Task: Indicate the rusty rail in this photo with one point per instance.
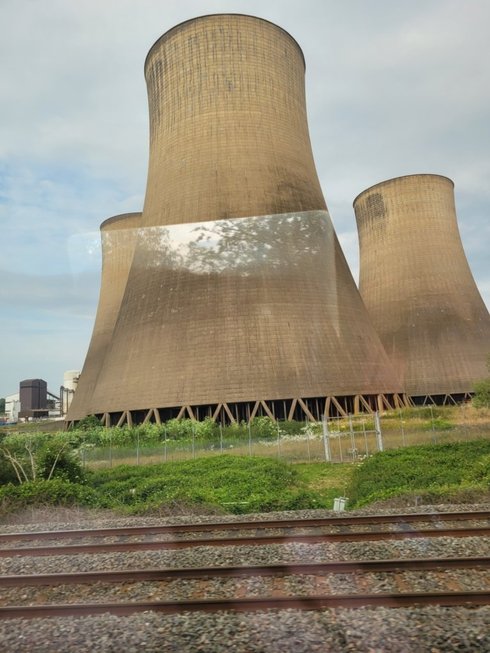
(243, 541)
(248, 525)
(251, 604)
(314, 569)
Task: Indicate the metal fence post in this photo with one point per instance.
(326, 441)
(434, 438)
(308, 441)
(402, 427)
(377, 428)
(352, 439)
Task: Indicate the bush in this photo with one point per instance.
(482, 394)
(55, 492)
(428, 467)
(263, 428)
(88, 423)
(52, 462)
(39, 455)
(7, 472)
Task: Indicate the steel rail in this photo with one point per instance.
(249, 525)
(243, 541)
(294, 569)
(251, 604)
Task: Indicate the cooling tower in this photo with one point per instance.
(418, 287)
(118, 237)
(239, 299)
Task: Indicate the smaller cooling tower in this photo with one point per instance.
(418, 287)
(118, 236)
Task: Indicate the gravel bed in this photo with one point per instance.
(304, 585)
(84, 521)
(372, 630)
(171, 537)
(207, 556)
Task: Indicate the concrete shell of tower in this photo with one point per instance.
(417, 285)
(118, 235)
(269, 314)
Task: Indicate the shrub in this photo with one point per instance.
(53, 462)
(88, 423)
(54, 492)
(40, 455)
(426, 467)
(482, 394)
(7, 472)
(263, 428)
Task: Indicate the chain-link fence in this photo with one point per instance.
(348, 439)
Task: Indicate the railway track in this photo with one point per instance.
(277, 582)
(403, 520)
(152, 545)
(339, 529)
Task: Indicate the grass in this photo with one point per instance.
(235, 484)
(448, 460)
(226, 484)
(436, 473)
(450, 469)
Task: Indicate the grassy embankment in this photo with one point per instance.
(455, 472)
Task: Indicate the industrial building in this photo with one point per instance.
(35, 401)
(237, 299)
(12, 407)
(33, 394)
(418, 288)
(67, 390)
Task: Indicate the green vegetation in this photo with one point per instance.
(90, 431)
(455, 472)
(482, 394)
(2, 405)
(234, 483)
(481, 398)
(431, 470)
(241, 468)
(31, 457)
(229, 484)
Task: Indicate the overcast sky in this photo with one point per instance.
(393, 87)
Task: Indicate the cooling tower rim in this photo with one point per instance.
(179, 26)
(395, 179)
(118, 218)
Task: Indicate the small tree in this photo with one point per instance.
(2, 405)
(41, 456)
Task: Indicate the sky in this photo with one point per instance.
(393, 87)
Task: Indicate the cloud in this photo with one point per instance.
(392, 88)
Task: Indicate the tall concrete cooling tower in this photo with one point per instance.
(118, 236)
(418, 287)
(239, 300)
